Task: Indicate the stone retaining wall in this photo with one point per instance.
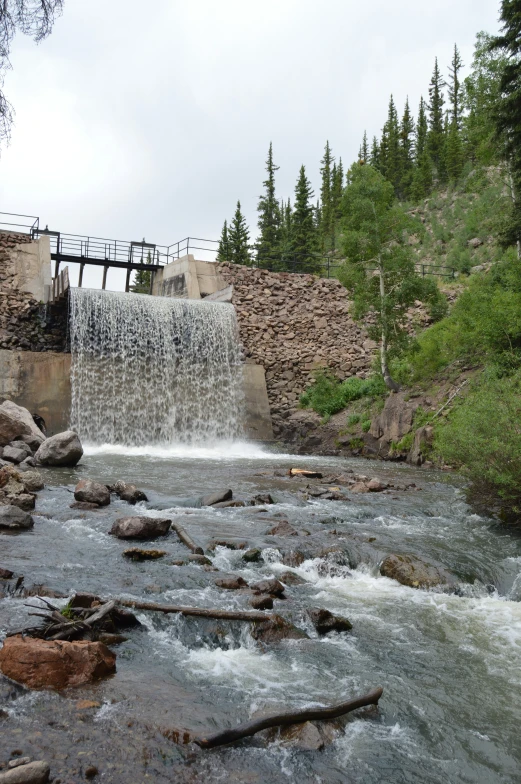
(293, 324)
(25, 323)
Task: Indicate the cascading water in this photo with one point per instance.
(154, 370)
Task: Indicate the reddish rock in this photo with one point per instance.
(262, 602)
(231, 583)
(275, 630)
(282, 529)
(271, 587)
(42, 664)
(140, 527)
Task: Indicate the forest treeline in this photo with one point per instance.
(454, 129)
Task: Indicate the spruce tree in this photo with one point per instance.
(436, 133)
(337, 189)
(223, 253)
(508, 110)
(406, 152)
(422, 176)
(454, 151)
(286, 234)
(326, 216)
(390, 158)
(374, 157)
(455, 88)
(239, 239)
(142, 279)
(303, 234)
(269, 223)
(363, 154)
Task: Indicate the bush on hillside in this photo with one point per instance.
(328, 395)
(483, 434)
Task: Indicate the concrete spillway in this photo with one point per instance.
(154, 370)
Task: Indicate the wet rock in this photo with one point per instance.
(128, 493)
(14, 519)
(6, 574)
(254, 555)
(91, 772)
(86, 506)
(13, 454)
(290, 578)
(295, 557)
(231, 583)
(63, 449)
(376, 486)
(33, 441)
(423, 438)
(262, 500)
(228, 504)
(275, 630)
(15, 763)
(229, 543)
(282, 529)
(27, 465)
(92, 492)
(24, 501)
(123, 619)
(199, 559)
(112, 639)
(43, 590)
(414, 572)
(44, 664)
(32, 481)
(140, 527)
(262, 602)
(215, 498)
(306, 736)
(359, 487)
(325, 622)
(31, 773)
(271, 587)
(138, 554)
(16, 422)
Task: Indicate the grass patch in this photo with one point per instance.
(327, 395)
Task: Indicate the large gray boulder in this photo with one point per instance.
(14, 519)
(16, 422)
(412, 571)
(140, 527)
(63, 449)
(92, 492)
(30, 773)
(14, 455)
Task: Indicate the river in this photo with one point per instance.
(450, 664)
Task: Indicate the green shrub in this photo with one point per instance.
(483, 435)
(327, 395)
(366, 425)
(353, 419)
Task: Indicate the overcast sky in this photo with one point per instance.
(151, 119)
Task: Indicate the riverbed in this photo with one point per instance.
(449, 663)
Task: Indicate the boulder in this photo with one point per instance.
(27, 465)
(86, 506)
(275, 630)
(33, 441)
(282, 529)
(231, 583)
(63, 449)
(30, 773)
(263, 499)
(140, 527)
(128, 492)
(215, 498)
(414, 572)
(46, 664)
(253, 555)
(423, 439)
(16, 422)
(305, 736)
(92, 492)
(32, 481)
(25, 501)
(14, 519)
(290, 578)
(6, 574)
(271, 587)
(376, 486)
(13, 454)
(475, 242)
(138, 554)
(196, 558)
(325, 622)
(261, 602)
(396, 419)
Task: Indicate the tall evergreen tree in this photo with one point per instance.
(363, 154)
(142, 279)
(390, 158)
(406, 152)
(508, 109)
(454, 151)
(269, 223)
(422, 177)
(436, 133)
(326, 216)
(223, 247)
(239, 239)
(303, 234)
(337, 189)
(374, 157)
(455, 88)
(286, 242)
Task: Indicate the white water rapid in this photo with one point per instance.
(154, 370)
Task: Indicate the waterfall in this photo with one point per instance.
(153, 370)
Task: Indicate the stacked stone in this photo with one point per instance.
(22, 322)
(293, 324)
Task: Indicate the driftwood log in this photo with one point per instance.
(187, 539)
(198, 612)
(282, 719)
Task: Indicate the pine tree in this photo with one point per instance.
(374, 158)
(326, 216)
(303, 234)
(455, 88)
(508, 110)
(286, 234)
(239, 239)
(268, 243)
(142, 279)
(363, 154)
(422, 176)
(390, 157)
(454, 151)
(337, 189)
(406, 153)
(436, 134)
(223, 247)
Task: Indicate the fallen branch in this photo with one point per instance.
(451, 398)
(282, 719)
(199, 612)
(187, 539)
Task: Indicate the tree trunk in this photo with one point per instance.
(389, 381)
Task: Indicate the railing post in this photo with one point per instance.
(127, 282)
(80, 280)
(105, 270)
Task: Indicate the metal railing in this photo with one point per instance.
(10, 221)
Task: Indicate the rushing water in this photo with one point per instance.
(449, 663)
(153, 370)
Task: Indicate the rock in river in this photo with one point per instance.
(412, 571)
(92, 492)
(63, 449)
(275, 630)
(30, 773)
(325, 622)
(140, 527)
(128, 493)
(215, 498)
(16, 422)
(270, 587)
(14, 519)
(45, 664)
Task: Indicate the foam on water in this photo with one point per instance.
(219, 451)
